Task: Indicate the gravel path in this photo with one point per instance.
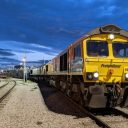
(27, 109)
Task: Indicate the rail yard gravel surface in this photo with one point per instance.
(6, 88)
(115, 121)
(26, 108)
(123, 109)
(2, 82)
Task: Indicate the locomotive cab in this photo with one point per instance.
(105, 69)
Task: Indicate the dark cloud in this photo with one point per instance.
(6, 52)
(7, 59)
(38, 62)
(22, 47)
(55, 23)
(52, 22)
(8, 63)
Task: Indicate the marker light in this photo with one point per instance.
(111, 36)
(96, 74)
(89, 76)
(126, 75)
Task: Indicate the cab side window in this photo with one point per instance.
(77, 52)
(63, 62)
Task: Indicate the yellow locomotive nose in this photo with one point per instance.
(109, 74)
(110, 71)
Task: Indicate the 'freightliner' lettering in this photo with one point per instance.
(110, 66)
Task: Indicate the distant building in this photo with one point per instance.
(18, 67)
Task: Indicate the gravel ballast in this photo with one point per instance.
(26, 108)
(3, 82)
(123, 109)
(6, 88)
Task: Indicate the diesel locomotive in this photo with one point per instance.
(93, 71)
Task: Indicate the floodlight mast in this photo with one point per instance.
(24, 69)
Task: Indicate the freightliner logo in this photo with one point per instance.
(110, 66)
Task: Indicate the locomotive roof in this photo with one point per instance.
(107, 29)
(113, 29)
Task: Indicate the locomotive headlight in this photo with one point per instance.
(92, 75)
(96, 74)
(126, 75)
(111, 36)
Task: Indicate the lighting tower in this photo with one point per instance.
(25, 70)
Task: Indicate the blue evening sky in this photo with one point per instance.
(43, 28)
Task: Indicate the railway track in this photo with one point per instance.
(114, 118)
(4, 85)
(104, 118)
(97, 120)
(6, 89)
(108, 119)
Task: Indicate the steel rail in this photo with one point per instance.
(5, 95)
(4, 85)
(117, 111)
(98, 121)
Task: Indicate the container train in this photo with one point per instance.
(93, 71)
